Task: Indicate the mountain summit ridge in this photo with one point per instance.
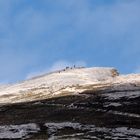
(68, 82)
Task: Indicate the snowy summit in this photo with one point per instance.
(66, 82)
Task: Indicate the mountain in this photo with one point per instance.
(73, 103)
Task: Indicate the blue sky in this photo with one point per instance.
(37, 36)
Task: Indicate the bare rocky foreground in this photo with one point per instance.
(83, 103)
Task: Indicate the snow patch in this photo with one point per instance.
(17, 131)
(86, 131)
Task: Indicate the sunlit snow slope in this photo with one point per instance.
(67, 82)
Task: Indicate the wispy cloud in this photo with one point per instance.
(137, 70)
(59, 65)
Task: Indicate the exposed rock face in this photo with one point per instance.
(85, 103)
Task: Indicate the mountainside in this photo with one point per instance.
(67, 81)
(74, 103)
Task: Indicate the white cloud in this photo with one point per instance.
(137, 70)
(61, 64)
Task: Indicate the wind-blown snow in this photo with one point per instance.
(65, 82)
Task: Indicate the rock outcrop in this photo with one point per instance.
(79, 103)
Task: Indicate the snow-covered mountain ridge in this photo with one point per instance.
(68, 82)
(78, 103)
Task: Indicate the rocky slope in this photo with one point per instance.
(79, 103)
